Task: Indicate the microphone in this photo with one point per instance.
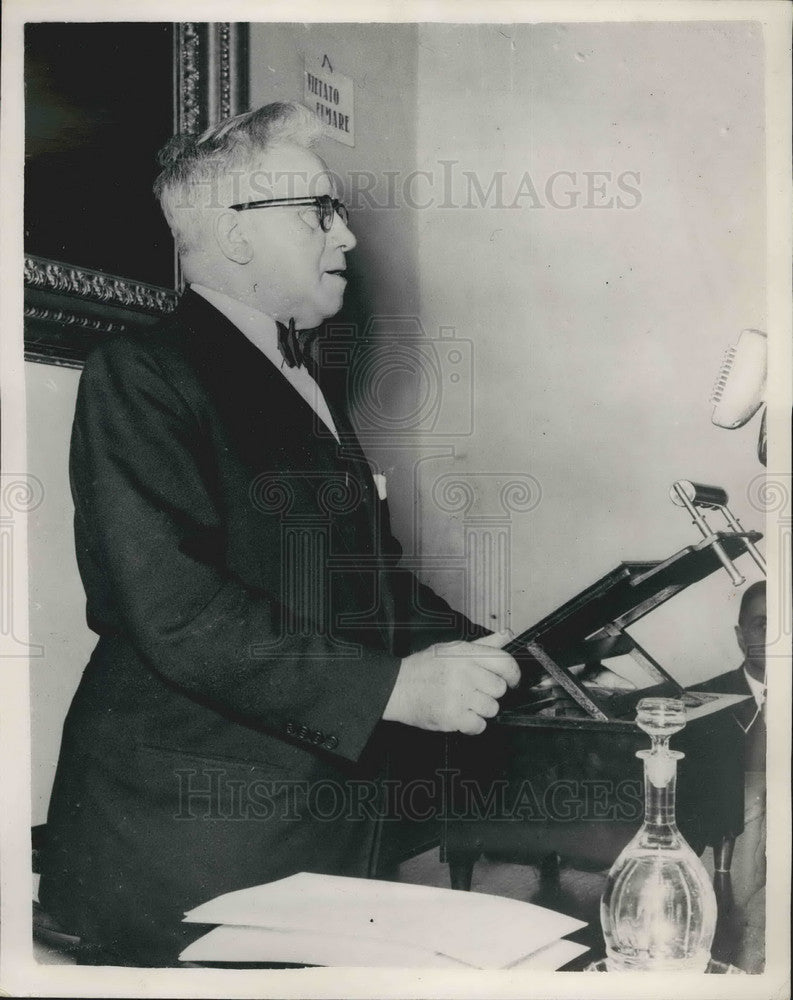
(739, 391)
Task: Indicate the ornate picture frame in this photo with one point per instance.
(68, 307)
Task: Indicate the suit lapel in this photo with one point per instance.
(255, 401)
(378, 527)
(276, 432)
(746, 711)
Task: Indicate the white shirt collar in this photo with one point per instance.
(756, 687)
(262, 332)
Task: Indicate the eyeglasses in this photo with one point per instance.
(327, 207)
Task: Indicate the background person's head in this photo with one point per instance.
(751, 629)
(279, 259)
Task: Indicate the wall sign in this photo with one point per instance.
(330, 95)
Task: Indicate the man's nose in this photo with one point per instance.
(341, 234)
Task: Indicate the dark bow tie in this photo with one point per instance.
(294, 345)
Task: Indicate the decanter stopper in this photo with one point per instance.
(658, 910)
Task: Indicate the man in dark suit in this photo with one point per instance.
(747, 878)
(749, 677)
(256, 635)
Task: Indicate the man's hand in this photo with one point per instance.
(453, 686)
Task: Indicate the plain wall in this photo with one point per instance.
(590, 337)
(57, 601)
(598, 332)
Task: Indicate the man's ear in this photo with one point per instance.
(231, 239)
(740, 638)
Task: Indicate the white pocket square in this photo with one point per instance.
(379, 482)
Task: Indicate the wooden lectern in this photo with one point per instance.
(556, 772)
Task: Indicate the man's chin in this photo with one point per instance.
(321, 311)
(328, 312)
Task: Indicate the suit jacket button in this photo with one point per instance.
(331, 743)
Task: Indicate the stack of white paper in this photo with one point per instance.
(333, 920)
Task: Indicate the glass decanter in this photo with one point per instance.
(658, 911)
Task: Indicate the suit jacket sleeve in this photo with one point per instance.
(140, 484)
(422, 617)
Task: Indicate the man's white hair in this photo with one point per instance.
(195, 167)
